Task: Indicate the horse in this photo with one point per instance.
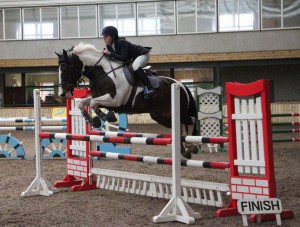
(111, 90)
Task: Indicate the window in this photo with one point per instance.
(196, 16)
(271, 14)
(47, 83)
(78, 21)
(280, 14)
(13, 80)
(206, 16)
(291, 13)
(40, 23)
(156, 18)
(88, 21)
(238, 15)
(10, 24)
(47, 93)
(186, 16)
(121, 16)
(1, 24)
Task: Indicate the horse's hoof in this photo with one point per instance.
(96, 122)
(111, 117)
(191, 148)
(187, 155)
(102, 116)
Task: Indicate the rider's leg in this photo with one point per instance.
(137, 66)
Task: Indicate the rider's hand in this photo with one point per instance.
(106, 52)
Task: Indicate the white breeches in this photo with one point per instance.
(140, 61)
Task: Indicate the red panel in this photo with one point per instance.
(238, 89)
(262, 88)
(81, 93)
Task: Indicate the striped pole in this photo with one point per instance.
(132, 140)
(293, 123)
(158, 160)
(204, 139)
(129, 134)
(286, 140)
(295, 114)
(103, 139)
(30, 120)
(290, 130)
(31, 128)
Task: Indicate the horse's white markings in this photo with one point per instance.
(89, 55)
(60, 91)
(105, 100)
(138, 91)
(84, 102)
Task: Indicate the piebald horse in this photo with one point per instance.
(111, 90)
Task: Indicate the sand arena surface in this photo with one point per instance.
(107, 208)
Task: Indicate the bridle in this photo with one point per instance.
(70, 86)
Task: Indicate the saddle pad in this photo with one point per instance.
(128, 76)
(154, 81)
(131, 80)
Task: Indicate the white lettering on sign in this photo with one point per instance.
(259, 206)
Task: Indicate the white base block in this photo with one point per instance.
(39, 186)
(177, 210)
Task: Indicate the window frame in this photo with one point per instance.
(78, 22)
(41, 23)
(155, 34)
(116, 11)
(196, 20)
(3, 27)
(281, 19)
(238, 13)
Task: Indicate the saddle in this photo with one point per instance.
(134, 80)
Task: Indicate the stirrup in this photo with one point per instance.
(148, 92)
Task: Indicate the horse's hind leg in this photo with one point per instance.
(165, 119)
(188, 148)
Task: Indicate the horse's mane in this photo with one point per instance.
(81, 47)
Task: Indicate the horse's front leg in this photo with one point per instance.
(103, 101)
(96, 123)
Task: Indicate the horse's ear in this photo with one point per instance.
(58, 55)
(65, 54)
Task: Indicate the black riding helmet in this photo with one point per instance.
(110, 30)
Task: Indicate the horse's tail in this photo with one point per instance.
(192, 111)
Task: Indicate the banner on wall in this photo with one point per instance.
(59, 112)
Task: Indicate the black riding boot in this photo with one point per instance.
(148, 89)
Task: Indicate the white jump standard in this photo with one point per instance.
(39, 186)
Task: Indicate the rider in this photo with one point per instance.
(122, 50)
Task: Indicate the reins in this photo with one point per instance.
(105, 73)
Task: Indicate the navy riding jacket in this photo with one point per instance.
(126, 51)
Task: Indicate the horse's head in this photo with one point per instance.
(70, 70)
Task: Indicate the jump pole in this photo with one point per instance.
(159, 160)
(39, 186)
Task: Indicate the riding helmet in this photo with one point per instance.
(110, 30)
